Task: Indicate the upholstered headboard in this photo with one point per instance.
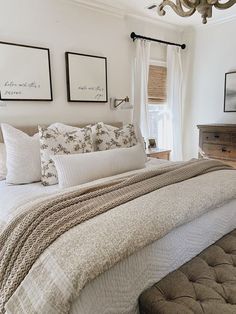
(31, 130)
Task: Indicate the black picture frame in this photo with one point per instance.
(68, 78)
(50, 98)
(226, 92)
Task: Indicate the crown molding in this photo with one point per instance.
(213, 23)
(119, 12)
(99, 7)
(151, 20)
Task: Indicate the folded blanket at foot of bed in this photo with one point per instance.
(206, 284)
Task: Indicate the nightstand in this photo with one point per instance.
(158, 153)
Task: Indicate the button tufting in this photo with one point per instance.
(205, 292)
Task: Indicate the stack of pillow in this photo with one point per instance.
(69, 155)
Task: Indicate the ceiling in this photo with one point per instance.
(139, 8)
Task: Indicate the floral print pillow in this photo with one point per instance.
(108, 137)
(59, 139)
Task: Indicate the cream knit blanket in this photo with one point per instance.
(32, 232)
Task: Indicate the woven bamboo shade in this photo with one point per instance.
(157, 84)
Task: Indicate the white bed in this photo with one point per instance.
(117, 290)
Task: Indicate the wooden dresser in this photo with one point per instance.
(218, 141)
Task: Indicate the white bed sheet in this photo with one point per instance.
(13, 196)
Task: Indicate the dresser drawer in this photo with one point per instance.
(234, 138)
(220, 151)
(216, 137)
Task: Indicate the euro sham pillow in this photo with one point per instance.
(109, 137)
(3, 166)
(61, 139)
(22, 156)
(77, 169)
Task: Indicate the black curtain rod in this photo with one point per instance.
(135, 36)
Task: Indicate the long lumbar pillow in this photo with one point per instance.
(82, 168)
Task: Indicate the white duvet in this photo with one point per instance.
(117, 290)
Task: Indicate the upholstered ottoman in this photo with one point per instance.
(205, 285)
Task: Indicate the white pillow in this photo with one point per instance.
(23, 156)
(82, 168)
(60, 139)
(3, 166)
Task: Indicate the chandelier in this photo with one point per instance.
(189, 7)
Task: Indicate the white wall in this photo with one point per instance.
(211, 53)
(63, 26)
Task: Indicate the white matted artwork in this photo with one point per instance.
(86, 78)
(25, 73)
(230, 92)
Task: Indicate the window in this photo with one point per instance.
(157, 84)
(159, 115)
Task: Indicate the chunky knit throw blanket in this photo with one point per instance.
(26, 237)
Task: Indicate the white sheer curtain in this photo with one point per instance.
(174, 100)
(160, 125)
(140, 86)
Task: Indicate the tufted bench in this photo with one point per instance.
(205, 285)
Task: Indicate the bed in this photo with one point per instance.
(117, 288)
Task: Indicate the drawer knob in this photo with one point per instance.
(217, 136)
(224, 150)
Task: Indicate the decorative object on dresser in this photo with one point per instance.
(218, 141)
(25, 73)
(86, 78)
(152, 143)
(158, 153)
(230, 92)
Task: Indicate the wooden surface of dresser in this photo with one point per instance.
(158, 153)
(218, 141)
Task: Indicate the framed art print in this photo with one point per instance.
(25, 73)
(230, 92)
(86, 78)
